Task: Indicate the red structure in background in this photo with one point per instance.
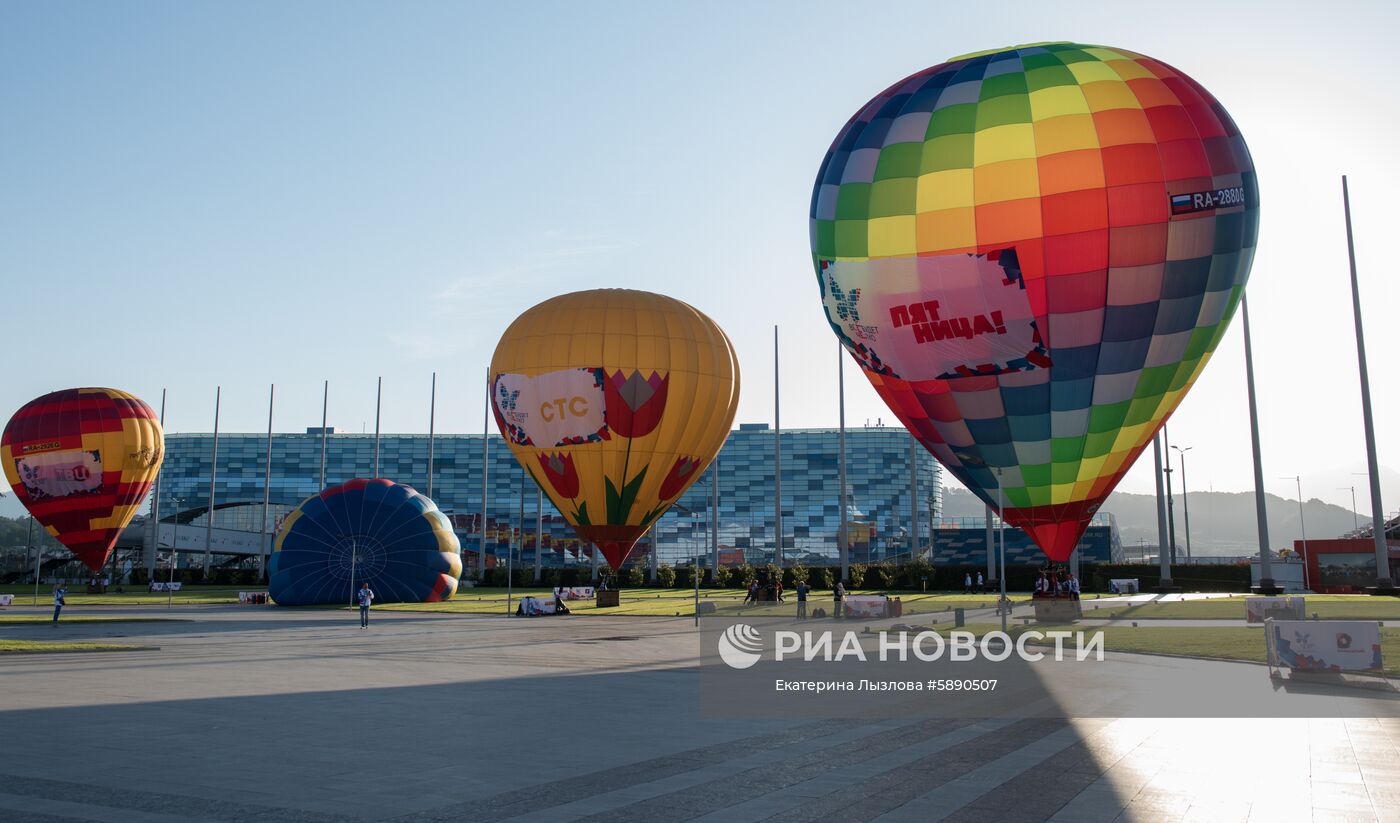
(1343, 565)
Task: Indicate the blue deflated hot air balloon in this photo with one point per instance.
(365, 531)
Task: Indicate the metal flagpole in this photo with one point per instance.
(655, 551)
(1171, 510)
(353, 558)
(155, 500)
(714, 518)
(432, 421)
(510, 548)
(1385, 584)
(213, 476)
(777, 462)
(991, 548)
(913, 499)
(841, 549)
(1266, 572)
(521, 522)
(325, 404)
(1003, 605)
(267, 483)
(378, 402)
(539, 529)
(1185, 501)
(695, 571)
(38, 555)
(485, 472)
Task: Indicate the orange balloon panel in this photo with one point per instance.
(81, 461)
(614, 401)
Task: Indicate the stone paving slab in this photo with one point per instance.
(265, 714)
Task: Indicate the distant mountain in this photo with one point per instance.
(1221, 522)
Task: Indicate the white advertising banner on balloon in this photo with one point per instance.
(552, 409)
(60, 473)
(935, 317)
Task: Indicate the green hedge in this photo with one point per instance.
(879, 576)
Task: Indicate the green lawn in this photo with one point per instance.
(1225, 643)
(18, 619)
(43, 646)
(133, 596)
(1327, 607)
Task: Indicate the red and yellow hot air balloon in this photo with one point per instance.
(81, 461)
(614, 401)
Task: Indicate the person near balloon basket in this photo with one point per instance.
(838, 594)
(802, 589)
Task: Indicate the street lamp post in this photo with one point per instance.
(1302, 524)
(1171, 512)
(1185, 503)
(1355, 523)
(174, 551)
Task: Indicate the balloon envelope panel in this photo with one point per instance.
(81, 461)
(365, 531)
(614, 401)
(1032, 253)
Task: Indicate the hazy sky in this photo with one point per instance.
(207, 194)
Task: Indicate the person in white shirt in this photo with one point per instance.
(967, 584)
(981, 584)
(58, 594)
(365, 597)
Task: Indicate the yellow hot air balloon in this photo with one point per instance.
(615, 401)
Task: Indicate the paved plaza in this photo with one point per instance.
(264, 714)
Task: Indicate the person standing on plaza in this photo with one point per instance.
(837, 595)
(981, 584)
(802, 600)
(59, 592)
(365, 597)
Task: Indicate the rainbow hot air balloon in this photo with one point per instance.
(365, 531)
(81, 461)
(1032, 253)
(614, 401)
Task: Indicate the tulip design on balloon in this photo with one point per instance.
(614, 440)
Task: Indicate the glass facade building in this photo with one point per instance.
(880, 465)
(878, 472)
